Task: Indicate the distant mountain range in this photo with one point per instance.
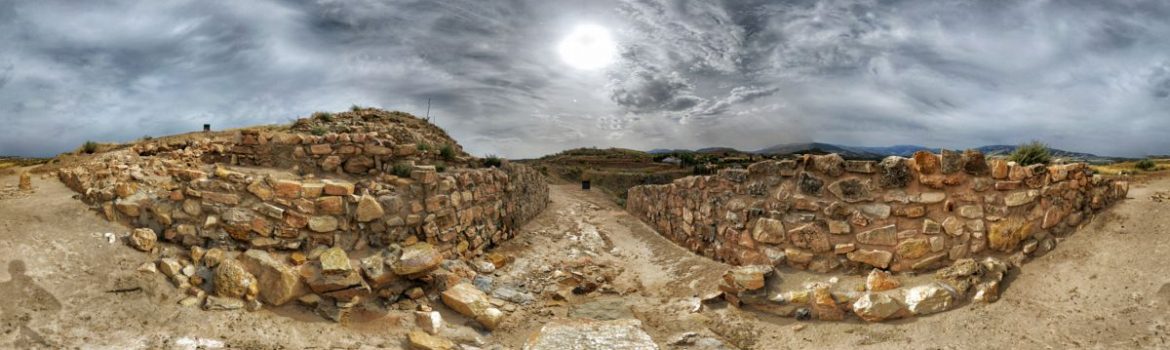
(859, 152)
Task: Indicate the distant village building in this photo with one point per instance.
(672, 160)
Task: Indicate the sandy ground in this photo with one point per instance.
(1103, 287)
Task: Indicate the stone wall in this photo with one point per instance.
(824, 214)
(370, 142)
(293, 205)
(461, 211)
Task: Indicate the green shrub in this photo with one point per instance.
(422, 147)
(1034, 152)
(1145, 164)
(147, 138)
(492, 161)
(402, 170)
(355, 108)
(323, 116)
(89, 147)
(441, 168)
(317, 130)
(447, 152)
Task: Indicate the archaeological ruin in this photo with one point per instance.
(337, 209)
(327, 211)
(927, 233)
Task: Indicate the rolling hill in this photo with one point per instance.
(865, 152)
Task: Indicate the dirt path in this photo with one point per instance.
(1104, 287)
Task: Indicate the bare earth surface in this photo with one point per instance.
(1103, 287)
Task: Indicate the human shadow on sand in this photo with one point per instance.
(20, 300)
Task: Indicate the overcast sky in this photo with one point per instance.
(1090, 76)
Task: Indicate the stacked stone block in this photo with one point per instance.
(823, 213)
(293, 207)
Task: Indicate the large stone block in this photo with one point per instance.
(875, 258)
(885, 235)
(876, 307)
(279, 283)
(999, 169)
(928, 299)
(880, 280)
(222, 198)
(861, 166)
(287, 189)
(320, 149)
(368, 209)
(338, 188)
(323, 224)
(1019, 198)
(1006, 235)
(331, 205)
(747, 278)
(143, 239)
(851, 190)
(417, 259)
(769, 231)
(952, 162)
(335, 261)
(912, 248)
(810, 236)
(893, 172)
(926, 162)
(829, 164)
(233, 281)
(974, 163)
(809, 184)
(875, 210)
(465, 299)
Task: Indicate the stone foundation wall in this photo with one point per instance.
(332, 212)
(460, 211)
(823, 213)
(370, 143)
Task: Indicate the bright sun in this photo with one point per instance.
(588, 47)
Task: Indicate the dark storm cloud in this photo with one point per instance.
(648, 89)
(1084, 75)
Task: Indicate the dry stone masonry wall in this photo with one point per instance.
(341, 208)
(825, 214)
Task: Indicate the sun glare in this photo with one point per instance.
(588, 47)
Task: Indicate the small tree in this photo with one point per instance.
(1034, 152)
(89, 147)
(447, 152)
(401, 170)
(492, 161)
(1145, 164)
(422, 147)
